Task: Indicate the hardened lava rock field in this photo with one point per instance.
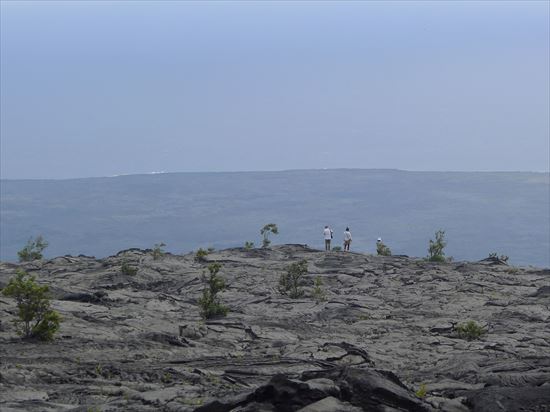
(385, 334)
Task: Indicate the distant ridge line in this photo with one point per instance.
(393, 170)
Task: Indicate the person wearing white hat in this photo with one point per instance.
(381, 248)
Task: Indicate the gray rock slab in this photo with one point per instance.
(139, 343)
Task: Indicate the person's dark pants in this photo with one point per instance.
(327, 244)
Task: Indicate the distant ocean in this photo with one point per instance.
(481, 213)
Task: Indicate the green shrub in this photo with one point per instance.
(35, 318)
(289, 283)
(33, 249)
(128, 270)
(382, 249)
(209, 303)
(211, 249)
(270, 228)
(337, 249)
(318, 292)
(422, 391)
(436, 247)
(249, 245)
(166, 378)
(201, 254)
(469, 330)
(158, 250)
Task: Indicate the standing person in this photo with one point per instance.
(327, 233)
(347, 239)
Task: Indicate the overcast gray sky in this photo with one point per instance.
(99, 88)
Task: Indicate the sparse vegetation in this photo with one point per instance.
(201, 254)
(209, 303)
(319, 293)
(249, 245)
(436, 247)
(158, 250)
(337, 249)
(469, 330)
(289, 282)
(270, 228)
(211, 249)
(191, 401)
(382, 249)
(422, 391)
(166, 378)
(35, 318)
(33, 249)
(128, 270)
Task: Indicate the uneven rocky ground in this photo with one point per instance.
(137, 343)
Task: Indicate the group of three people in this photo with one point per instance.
(328, 234)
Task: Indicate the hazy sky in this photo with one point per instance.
(98, 88)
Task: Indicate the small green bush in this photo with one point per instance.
(337, 249)
(209, 304)
(435, 249)
(158, 250)
(166, 378)
(270, 228)
(382, 249)
(35, 318)
(48, 326)
(33, 249)
(201, 254)
(289, 282)
(469, 330)
(422, 391)
(128, 270)
(249, 245)
(319, 293)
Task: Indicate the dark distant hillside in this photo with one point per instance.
(507, 213)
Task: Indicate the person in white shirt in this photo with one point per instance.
(347, 239)
(327, 233)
